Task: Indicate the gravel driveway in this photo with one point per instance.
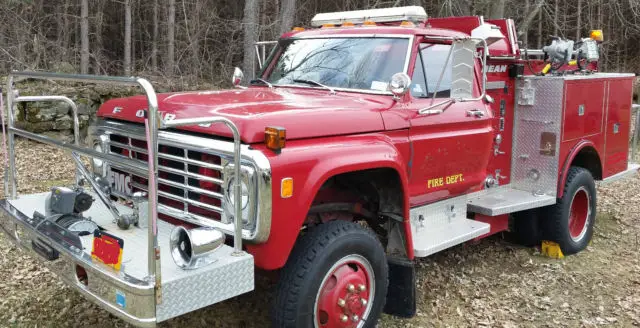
(491, 283)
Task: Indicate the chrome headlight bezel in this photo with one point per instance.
(248, 181)
(99, 143)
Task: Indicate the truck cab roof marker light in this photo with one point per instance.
(382, 15)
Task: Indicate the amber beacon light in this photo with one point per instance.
(274, 138)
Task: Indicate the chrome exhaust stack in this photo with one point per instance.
(193, 248)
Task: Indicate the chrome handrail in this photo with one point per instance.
(237, 235)
(153, 248)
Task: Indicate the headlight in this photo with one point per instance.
(100, 144)
(247, 195)
(97, 163)
(231, 193)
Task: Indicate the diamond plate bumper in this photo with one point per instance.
(126, 294)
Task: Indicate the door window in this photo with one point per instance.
(429, 67)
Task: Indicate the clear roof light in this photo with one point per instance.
(382, 15)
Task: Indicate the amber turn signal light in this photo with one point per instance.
(298, 29)
(286, 188)
(596, 35)
(274, 138)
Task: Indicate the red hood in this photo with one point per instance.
(304, 113)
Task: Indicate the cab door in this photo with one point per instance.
(451, 144)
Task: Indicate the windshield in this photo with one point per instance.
(350, 63)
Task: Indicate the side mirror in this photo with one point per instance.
(399, 84)
(237, 77)
(463, 55)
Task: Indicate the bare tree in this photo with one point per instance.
(171, 38)
(287, 15)
(497, 9)
(250, 26)
(84, 36)
(127, 37)
(579, 23)
(154, 41)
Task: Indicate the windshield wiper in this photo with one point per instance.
(318, 84)
(265, 82)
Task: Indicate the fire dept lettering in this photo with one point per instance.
(443, 181)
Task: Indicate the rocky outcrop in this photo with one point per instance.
(55, 119)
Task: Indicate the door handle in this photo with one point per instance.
(475, 113)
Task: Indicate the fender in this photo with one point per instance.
(562, 178)
(310, 163)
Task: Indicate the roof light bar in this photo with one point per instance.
(382, 15)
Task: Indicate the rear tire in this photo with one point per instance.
(331, 270)
(570, 221)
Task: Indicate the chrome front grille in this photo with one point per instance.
(190, 182)
(193, 172)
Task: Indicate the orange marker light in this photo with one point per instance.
(348, 24)
(297, 29)
(369, 23)
(596, 35)
(328, 26)
(286, 188)
(407, 24)
(274, 138)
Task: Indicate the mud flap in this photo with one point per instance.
(401, 294)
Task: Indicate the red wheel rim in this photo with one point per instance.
(580, 214)
(346, 294)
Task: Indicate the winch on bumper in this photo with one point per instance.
(151, 282)
(126, 294)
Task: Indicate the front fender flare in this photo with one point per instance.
(310, 163)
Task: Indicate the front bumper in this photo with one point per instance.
(128, 293)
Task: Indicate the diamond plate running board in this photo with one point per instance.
(505, 200)
(430, 241)
(443, 224)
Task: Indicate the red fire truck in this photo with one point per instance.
(366, 141)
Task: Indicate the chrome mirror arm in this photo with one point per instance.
(431, 111)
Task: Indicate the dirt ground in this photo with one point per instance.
(491, 283)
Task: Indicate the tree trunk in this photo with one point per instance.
(154, 41)
(171, 38)
(250, 25)
(539, 44)
(127, 37)
(556, 13)
(523, 29)
(497, 9)
(84, 37)
(97, 52)
(579, 23)
(287, 15)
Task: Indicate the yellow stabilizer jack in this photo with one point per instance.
(551, 249)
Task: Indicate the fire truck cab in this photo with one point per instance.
(368, 140)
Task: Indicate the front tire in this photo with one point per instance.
(336, 276)
(570, 221)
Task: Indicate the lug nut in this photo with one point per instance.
(355, 318)
(341, 302)
(351, 288)
(363, 302)
(344, 318)
(362, 288)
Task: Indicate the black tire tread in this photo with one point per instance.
(553, 230)
(301, 260)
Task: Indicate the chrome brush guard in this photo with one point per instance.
(149, 288)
